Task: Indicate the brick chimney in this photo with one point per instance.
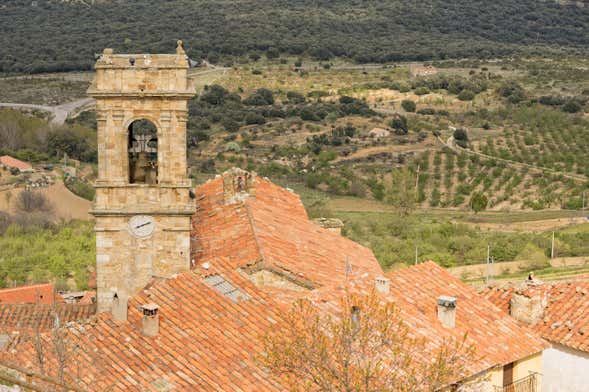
(447, 311)
(151, 320)
(382, 285)
(119, 307)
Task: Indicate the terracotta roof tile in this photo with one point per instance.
(9, 161)
(38, 293)
(416, 289)
(566, 315)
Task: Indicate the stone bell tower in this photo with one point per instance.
(143, 203)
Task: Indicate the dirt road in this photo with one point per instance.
(59, 113)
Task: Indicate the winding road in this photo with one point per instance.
(59, 113)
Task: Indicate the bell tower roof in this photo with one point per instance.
(144, 75)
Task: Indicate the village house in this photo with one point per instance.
(558, 313)
(12, 163)
(188, 280)
(419, 70)
(378, 133)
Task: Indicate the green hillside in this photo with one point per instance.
(42, 35)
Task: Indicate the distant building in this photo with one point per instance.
(10, 162)
(559, 313)
(378, 133)
(418, 70)
(33, 294)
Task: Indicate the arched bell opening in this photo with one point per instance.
(142, 148)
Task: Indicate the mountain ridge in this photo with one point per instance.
(48, 36)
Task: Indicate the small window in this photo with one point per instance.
(143, 151)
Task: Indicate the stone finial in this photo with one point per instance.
(238, 185)
(180, 48)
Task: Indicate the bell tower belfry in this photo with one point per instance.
(143, 204)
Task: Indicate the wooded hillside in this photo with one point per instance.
(42, 35)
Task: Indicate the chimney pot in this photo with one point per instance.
(151, 320)
(119, 307)
(383, 285)
(447, 311)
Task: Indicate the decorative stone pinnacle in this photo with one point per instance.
(180, 48)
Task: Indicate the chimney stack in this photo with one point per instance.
(119, 307)
(447, 311)
(151, 320)
(382, 285)
(527, 305)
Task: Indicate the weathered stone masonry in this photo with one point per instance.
(128, 88)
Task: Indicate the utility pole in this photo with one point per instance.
(552, 247)
(417, 183)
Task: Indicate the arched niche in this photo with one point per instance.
(143, 152)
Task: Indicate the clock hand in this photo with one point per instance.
(140, 226)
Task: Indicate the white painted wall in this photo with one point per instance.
(565, 370)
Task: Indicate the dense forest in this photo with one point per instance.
(43, 36)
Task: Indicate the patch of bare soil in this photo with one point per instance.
(66, 205)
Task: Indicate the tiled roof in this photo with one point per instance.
(38, 293)
(209, 333)
(272, 230)
(499, 296)
(206, 341)
(497, 338)
(566, 315)
(31, 316)
(9, 161)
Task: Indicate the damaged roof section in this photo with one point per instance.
(269, 231)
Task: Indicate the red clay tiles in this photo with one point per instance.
(208, 342)
(566, 316)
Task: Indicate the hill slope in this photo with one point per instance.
(43, 35)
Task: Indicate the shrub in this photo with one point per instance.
(571, 107)
(294, 97)
(408, 105)
(399, 124)
(80, 188)
(260, 97)
(233, 147)
(254, 118)
(421, 90)
(461, 137)
(466, 95)
(426, 111)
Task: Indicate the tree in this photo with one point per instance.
(30, 201)
(364, 347)
(408, 105)
(401, 191)
(461, 137)
(478, 202)
(399, 124)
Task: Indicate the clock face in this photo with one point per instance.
(142, 225)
